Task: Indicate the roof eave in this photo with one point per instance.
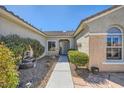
(94, 17)
(12, 16)
(80, 28)
(60, 36)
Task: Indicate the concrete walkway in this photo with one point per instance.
(61, 75)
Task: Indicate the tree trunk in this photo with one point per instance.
(76, 67)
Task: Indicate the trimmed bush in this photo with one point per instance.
(15, 44)
(19, 45)
(71, 49)
(78, 58)
(8, 72)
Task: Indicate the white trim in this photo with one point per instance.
(60, 36)
(121, 60)
(116, 26)
(113, 63)
(102, 34)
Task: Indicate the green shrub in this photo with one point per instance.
(71, 49)
(15, 44)
(19, 45)
(8, 73)
(78, 58)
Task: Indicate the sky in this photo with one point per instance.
(53, 17)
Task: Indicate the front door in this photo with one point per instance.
(64, 46)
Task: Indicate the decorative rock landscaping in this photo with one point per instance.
(33, 77)
(82, 78)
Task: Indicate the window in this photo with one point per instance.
(51, 46)
(114, 44)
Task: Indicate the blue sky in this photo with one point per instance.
(55, 18)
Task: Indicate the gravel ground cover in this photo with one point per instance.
(82, 78)
(33, 77)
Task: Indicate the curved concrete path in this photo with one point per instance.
(61, 75)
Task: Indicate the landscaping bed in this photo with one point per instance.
(37, 76)
(83, 78)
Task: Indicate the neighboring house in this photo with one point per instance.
(100, 36)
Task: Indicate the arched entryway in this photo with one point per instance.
(64, 45)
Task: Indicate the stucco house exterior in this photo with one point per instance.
(100, 36)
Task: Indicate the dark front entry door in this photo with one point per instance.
(64, 46)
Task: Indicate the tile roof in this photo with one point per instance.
(4, 8)
(49, 33)
(97, 14)
(59, 33)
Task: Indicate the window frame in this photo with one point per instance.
(117, 47)
(48, 45)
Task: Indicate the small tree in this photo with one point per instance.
(8, 72)
(78, 58)
(37, 48)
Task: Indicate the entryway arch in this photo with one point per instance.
(64, 45)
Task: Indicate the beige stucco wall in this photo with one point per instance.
(8, 26)
(98, 55)
(56, 39)
(97, 48)
(83, 39)
(102, 24)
